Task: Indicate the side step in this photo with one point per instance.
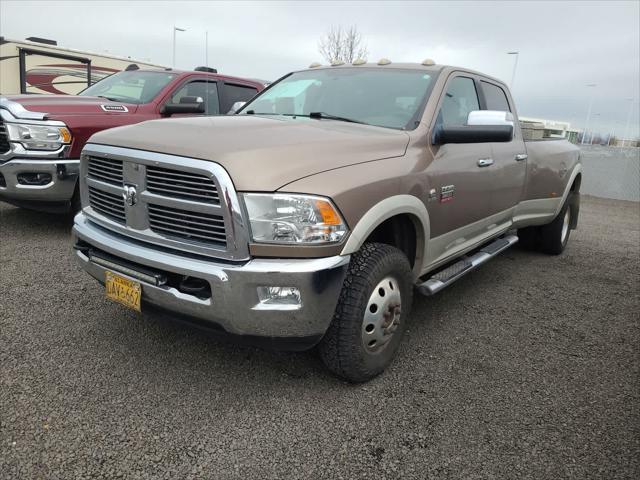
(447, 276)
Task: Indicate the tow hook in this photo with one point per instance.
(61, 171)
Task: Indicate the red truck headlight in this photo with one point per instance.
(38, 137)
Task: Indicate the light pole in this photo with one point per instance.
(515, 66)
(626, 129)
(586, 125)
(175, 29)
(206, 48)
(592, 132)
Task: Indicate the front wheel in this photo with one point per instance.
(371, 316)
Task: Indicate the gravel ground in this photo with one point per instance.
(528, 367)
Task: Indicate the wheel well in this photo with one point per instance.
(576, 183)
(400, 232)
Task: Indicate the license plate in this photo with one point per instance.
(122, 290)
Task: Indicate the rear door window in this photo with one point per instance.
(495, 97)
(460, 99)
(237, 93)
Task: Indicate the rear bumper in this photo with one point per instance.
(233, 305)
(55, 194)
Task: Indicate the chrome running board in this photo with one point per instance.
(445, 277)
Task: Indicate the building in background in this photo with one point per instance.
(38, 65)
(539, 128)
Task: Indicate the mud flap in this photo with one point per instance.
(574, 204)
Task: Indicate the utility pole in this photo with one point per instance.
(586, 126)
(592, 131)
(206, 48)
(175, 29)
(626, 129)
(515, 67)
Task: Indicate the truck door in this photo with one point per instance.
(459, 203)
(510, 159)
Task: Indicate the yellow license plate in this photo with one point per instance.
(122, 290)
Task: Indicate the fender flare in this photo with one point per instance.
(576, 170)
(385, 209)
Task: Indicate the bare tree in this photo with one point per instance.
(342, 44)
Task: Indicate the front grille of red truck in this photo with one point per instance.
(176, 202)
(4, 141)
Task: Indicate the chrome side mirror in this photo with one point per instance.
(235, 107)
(483, 126)
(490, 117)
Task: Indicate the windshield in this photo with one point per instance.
(375, 96)
(130, 87)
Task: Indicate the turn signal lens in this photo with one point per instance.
(328, 213)
(65, 135)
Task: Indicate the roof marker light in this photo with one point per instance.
(384, 61)
(359, 61)
(315, 65)
(427, 62)
(337, 63)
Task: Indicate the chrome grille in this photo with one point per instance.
(188, 225)
(107, 170)
(181, 184)
(4, 141)
(171, 201)
(108, 204)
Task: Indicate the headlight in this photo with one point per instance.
(284, 218)
(38, 137)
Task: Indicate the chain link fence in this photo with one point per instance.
(611, 172)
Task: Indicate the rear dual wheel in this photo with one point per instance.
(371, 316)
(553, 237)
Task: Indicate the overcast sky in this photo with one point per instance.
(563, 45)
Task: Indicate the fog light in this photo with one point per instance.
(282, 297)
(34, 178)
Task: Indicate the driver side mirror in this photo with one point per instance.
(194, 105)
(483, 126)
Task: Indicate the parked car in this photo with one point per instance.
(310, 217)
(41, 136)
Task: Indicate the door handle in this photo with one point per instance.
(521, 156)
(485, 162)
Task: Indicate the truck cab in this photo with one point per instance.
(41, 136)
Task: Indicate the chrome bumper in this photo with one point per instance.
(234, 305)
(64, 176)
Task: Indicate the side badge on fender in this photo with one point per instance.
(446, 193)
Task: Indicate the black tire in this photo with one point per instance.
(553, 236)
(346, 348)
(76, 204)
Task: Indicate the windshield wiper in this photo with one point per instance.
(253, 112)
(328, 116)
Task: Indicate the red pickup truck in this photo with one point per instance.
(41, 136)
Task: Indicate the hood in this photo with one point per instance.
(262, 153)
(55, 106)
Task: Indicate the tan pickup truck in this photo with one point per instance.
(312, 215)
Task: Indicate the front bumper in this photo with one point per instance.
(56, 194)
(233, 305)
